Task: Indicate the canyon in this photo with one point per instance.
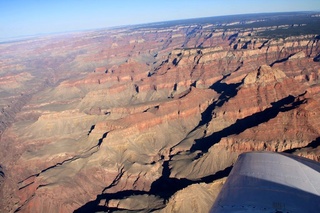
(151, 118)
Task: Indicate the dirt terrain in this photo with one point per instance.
(152, 117)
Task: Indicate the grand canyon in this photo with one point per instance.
(151, 118)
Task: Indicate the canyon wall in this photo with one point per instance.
(150, 118)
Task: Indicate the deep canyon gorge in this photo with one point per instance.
(152, 117)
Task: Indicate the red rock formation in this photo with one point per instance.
(132, 118)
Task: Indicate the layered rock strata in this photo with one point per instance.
(150, 118)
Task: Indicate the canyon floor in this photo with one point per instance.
(151, 118)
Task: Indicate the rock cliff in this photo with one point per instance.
(152, 118)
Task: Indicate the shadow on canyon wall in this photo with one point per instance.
(165, 186)
(313, 144)
(286, 104)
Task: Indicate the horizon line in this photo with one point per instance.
(30, 36)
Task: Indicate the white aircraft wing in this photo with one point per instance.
(271, 182)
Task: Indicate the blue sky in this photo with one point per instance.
(30, 17)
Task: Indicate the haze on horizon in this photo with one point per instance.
(31, 17)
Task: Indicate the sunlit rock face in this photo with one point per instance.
(151, 118)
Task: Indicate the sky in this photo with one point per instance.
(33, 17)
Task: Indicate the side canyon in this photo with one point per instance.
(152, 117)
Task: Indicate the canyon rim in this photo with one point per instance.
(152, 117)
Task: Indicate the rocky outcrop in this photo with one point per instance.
(264, 75)
(150, 118)
(198, 197)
